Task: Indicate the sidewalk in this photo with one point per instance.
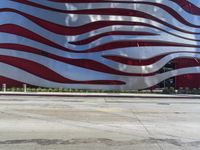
(126, 95)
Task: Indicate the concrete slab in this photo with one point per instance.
(49, 123)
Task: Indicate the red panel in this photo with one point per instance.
(10, 82)
(189, 80)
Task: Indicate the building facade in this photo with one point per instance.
(100, 44)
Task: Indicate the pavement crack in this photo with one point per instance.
(146, 129)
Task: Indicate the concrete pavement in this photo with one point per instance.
(96, 123)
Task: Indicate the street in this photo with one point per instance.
(97, 123)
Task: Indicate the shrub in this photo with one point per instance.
(170, 90)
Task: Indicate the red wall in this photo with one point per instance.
(189, 80)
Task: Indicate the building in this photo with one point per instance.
(95, 44)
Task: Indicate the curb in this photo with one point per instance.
(117, 95)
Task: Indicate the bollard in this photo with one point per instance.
(24, 86)
(4, 87)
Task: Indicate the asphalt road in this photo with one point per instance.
(59, 123)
